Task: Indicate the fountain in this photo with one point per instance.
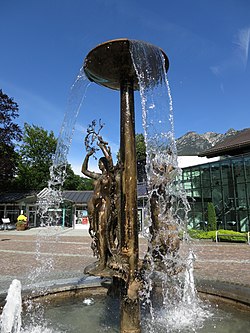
(127, 66)
(113, 211)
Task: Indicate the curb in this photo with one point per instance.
(229, 291)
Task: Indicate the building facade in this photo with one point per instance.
(225, 183)
(71, 213)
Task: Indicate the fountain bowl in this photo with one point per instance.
(88, 293)
(110, 62)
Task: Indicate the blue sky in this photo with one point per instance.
(44, 43)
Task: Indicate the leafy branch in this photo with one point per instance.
(93, 134)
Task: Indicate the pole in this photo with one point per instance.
(130, 308)
(63, 219)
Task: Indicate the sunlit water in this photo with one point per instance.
(10, 320)
(101, 314)
(164, 183)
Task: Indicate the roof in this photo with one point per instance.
(13, 197)
(73, 196)
(77, 196)
(234, 145)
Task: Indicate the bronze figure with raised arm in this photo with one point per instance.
(100, 206)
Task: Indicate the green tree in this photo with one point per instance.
(76, 182)
(211, 217)
(140, 147)
(141, 157)
(10, 133)
(36, 152)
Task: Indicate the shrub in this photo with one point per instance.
(200, 234)
(211, 217)
(234, 236)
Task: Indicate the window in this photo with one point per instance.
(196, 178)
(12, 213)
(243, 220)
(187, 185)
(186, 175)
(217, 197)
(238, 168)
(241, 195)
(248, 193)
(215, 175)
(205, 175)
(226, 173)
(247, 168)
(197, 193)
(207, 195)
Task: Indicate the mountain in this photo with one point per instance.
(192, 143)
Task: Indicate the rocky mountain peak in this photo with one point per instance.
(192, 143)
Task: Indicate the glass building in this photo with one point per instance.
(225, 183)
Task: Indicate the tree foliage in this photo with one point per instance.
(141, 157)
(76, 182)
(10, 133)
(36, 157)
(36, 152)
(211, 217)
(140, 147)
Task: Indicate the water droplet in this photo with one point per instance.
(88, 301)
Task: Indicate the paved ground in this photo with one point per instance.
(37, 255)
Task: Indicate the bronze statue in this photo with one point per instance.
(99, 207)
(102, 207)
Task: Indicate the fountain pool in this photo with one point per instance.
(91, 310)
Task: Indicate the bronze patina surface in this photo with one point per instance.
(113, 210)
(110, 62)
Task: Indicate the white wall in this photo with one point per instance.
(186, 161)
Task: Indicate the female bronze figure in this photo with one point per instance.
(100, 207)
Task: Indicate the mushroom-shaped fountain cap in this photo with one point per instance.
(110, 63)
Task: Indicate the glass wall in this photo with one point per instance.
(226, 183)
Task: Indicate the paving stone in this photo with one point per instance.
(31, 256)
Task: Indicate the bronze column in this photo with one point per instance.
(130, 308)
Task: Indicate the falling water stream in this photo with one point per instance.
(51, 197)
(167, 196)
(178, 309)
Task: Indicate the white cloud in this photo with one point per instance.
(238, 57)
(241, 41)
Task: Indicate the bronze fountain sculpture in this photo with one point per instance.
(113, 208)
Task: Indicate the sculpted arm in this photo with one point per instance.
(105, 149)
(85, 170)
